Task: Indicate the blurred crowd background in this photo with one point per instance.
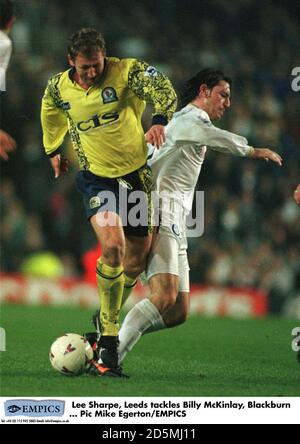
(252, 225)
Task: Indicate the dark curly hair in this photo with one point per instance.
(6, 12)
(86, 41)
(209, 76)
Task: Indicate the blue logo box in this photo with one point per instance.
(32, 408)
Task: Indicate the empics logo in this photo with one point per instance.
(27, 407)
(13, 409)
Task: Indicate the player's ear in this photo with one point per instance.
(203, 90)
(71, 61)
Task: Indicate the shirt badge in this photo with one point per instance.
(95, 202)
(175, 230)
(151, 72)
(109, 95)
(66, 106)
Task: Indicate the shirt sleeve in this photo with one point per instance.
(54, 122)
(155, 88)
(205, 133)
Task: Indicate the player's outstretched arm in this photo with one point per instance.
(297, 194)
(59, 164)
(266, 154)
(7, 144)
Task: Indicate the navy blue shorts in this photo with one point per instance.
(128, 196)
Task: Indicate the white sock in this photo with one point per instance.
(159, 324)
(142, 316)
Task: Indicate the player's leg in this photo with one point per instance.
(110, 280)
(166, 307)
(162, 273)
(136, 252)
(101, 200)
(138, 235)
(148, 314)
(110, 274)
(162, 310)
(178, 313)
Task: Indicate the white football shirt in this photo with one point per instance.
(177, 164)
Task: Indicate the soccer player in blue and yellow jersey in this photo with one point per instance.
(100, 101)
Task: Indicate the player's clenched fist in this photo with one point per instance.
(297, 195)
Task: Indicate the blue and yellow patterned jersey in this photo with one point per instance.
(104, 122)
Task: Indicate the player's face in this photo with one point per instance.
(89, 70)
(218, 100)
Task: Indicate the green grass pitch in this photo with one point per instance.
(204, 357)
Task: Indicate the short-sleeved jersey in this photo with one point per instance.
(105, 121)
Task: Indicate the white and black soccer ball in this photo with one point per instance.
(71, 354)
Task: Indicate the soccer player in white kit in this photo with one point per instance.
(7, 19)
(176, 168)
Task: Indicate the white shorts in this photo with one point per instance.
(169, 255)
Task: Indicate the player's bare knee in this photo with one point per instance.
(113, 254)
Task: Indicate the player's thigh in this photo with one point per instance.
(138, 207)
(109, 231)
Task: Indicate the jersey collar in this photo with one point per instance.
(200, 111)
(72, 71)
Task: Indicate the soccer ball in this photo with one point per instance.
(71, 354)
